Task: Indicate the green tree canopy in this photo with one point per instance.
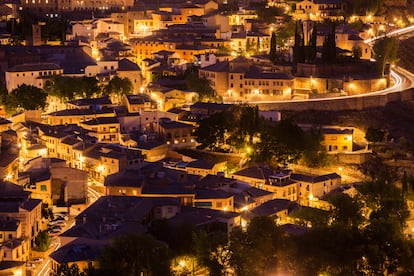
(257, 250)
(385, 52)
(68, 270)
(26, 97)
(133, 254)
(374, 135)
(272, 53)
(69, 88)
(118, 86)
(200, 85)
(42, 241)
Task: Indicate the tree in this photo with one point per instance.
(68, 88)
(211, 131)
(311, 55)
(118, 86)
(133, 254)
(256, 251)
(356, 52)
(285, 32)
(329, 46)
(200, 85)
(68, 270)
(314, 154)
(384, 241)
(272, 53)
(282, 143)
(374, 135)
(298, 48)
(42, 241)
(27, 97)
(211, 251)
(385, 52)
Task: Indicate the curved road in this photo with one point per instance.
(403, 80)
(397, 32)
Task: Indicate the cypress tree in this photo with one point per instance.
(272, 53)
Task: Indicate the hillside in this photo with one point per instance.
(396, 118)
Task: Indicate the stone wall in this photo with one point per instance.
(356, 103)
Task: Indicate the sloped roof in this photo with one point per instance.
(255, 172)
(127, 65)
(313, 178)
(35, 66)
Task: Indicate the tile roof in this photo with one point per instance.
(210, 194)
(9, 225)
(271, 207)
(35, 66)
(102, 121)
(169, 124)
(127, 65)
(126, 178)
(91, 101)
(349, 131)
(212, 181)
(255, 172)
(138, 98)
(313, 178)
(201, 164)
(81, 249)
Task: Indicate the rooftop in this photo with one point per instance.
(36, 66)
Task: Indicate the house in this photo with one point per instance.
(105, 129)
(15, 247)
(130, 70)
(319, 10)
(35, 74)
(152, 180)
(337, 139)
(75, 116)
(241, 79)
(214, 199)
(168, 98)
(50, 180)
(282, 186)
(111, 216)
(207, 220)
(176, 134)
(15, 203)
(153, 150)
(276, 208)
(312, 187)
(204, 167)
(83, 252)
(39, 183)
(101, 160)
(126, 183)
(256, 176)
(12, 267)
(137, 102)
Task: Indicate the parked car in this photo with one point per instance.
(55, 227)
(65, 216)
(55, 232)
(57, 222)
